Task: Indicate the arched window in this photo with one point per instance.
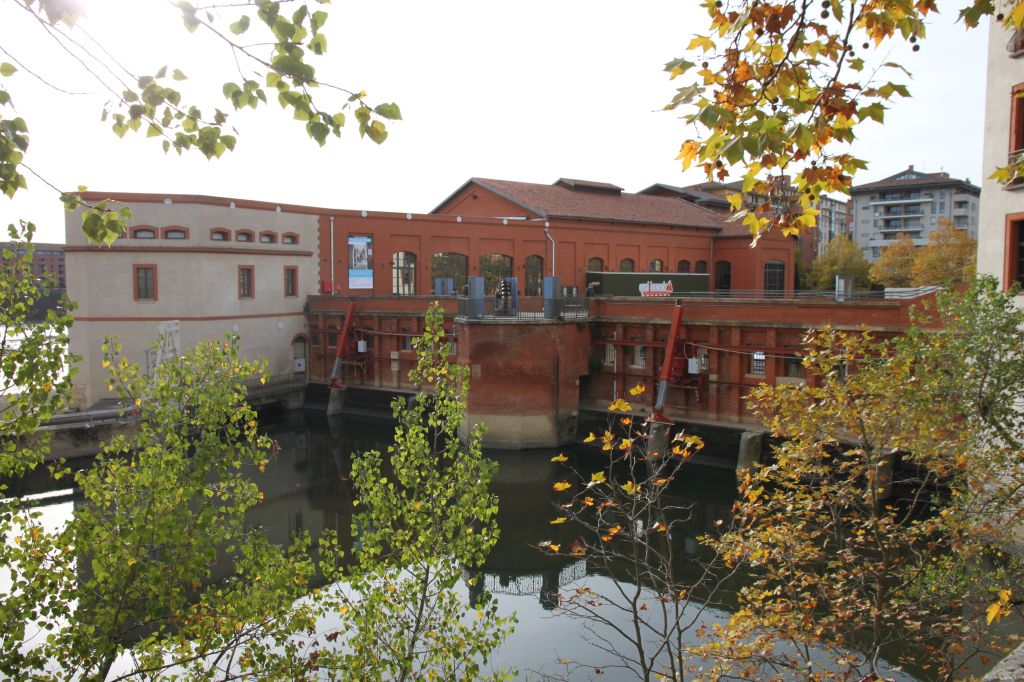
(626, 265)
(534, 275)
(774, 278)
(657, 265)
(403, 273)
(494, 267)
(219, 235)
(268, 237)
(454, 266)
(175, 233)
(244, 236)
(289, 238)
(595, 264)
(143, 233)
(701, 267)
(683, 266)
(723, 275)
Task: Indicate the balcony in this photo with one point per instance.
(1015, 46)
(1015, 157)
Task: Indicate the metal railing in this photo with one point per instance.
(524, 308)
(817, 294)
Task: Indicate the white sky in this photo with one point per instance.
(532, 91)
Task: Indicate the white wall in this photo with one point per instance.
(197, 284)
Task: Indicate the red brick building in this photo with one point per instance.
(527, 230)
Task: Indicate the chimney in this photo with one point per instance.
(911, 167)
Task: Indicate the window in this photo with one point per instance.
(1014, 266)
(534, 275)
(246, 281)
(683, 266)
(291, 280)
(794, 367)
(701, 267)
(403, 273)
(494, 268)
(626, 265)
(175, 233)
(657, 265)
(757, 362)
(144, 282)
(218, 235)
(1016, 118)
(243, 236)
(143, 233)
(609, 355)
(268, 237)
(595, 264)
(774, 278)
(723, 275)
(453, 266)
(289, 238)
(639, 358)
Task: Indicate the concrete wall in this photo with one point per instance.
(196, 284)
(997, 203)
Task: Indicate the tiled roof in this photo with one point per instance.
(558, 201)
(920, 180)
(695, 193)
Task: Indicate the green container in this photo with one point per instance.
(648, 284)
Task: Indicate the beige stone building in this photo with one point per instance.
(1001, 236)
(193, 268)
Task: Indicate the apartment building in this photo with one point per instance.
(1001, 233)
(833, 215)
(911, 202)
(47, 262)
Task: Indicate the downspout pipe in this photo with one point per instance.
(333, 288)
(551, 239)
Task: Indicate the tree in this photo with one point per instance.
(842, 257)
(880, 521)
(949, 257)
(156, 570)
(625, 522)
(893, 267)
(427, 515)
(274, 50)
(781, 88)
(35, 366)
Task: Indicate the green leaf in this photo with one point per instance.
(241, 26)
(389, 111)
(7, 70)
(179, 75)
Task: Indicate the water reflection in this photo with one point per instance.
(307, 487)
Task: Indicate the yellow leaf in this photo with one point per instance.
(597, 477)
(661, 481)
(620, 405)
(703, 42)
(637, 390)
(561, 485)
(994, 612)
(590, 438)
(554, 548)
(560, 457)
(631, 488)
(754, 493)
(560, 519)
(688, 152)
(589, 501)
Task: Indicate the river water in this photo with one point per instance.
(307, 487)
